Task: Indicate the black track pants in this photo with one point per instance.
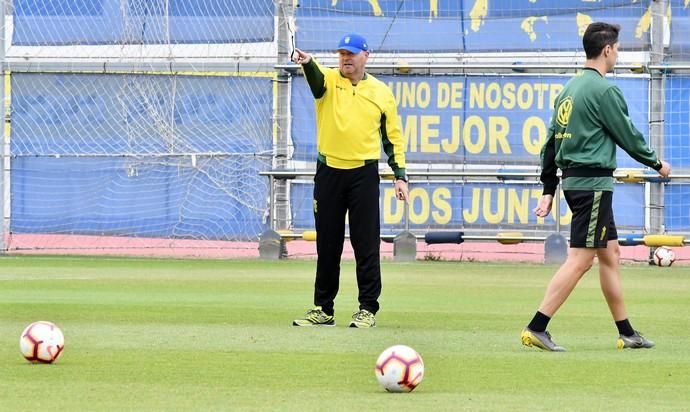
(336, 192)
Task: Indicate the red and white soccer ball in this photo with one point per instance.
(41, 342)
(664, 256)
(399, 369)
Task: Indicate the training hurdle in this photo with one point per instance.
(405, 243)
(273, 242)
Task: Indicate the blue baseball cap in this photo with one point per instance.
(354, 43)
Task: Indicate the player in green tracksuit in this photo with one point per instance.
(589, 121)
(356, 114)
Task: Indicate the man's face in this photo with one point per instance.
(352, 65)
(611, 54)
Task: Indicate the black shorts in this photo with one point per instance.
(592, 225)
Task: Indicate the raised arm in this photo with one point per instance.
(312, 72)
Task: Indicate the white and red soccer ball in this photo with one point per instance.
(41, 342)
(399, 369)
(664, 256)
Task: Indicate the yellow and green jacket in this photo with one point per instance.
(353, 122)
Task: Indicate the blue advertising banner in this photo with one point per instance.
(114, 154)
(467, 26)
(438, 25)
(492, 206)
(91, 22)
(679, 48)
(471, 119)
(676, 212)
(92, 113)
(677, 121)
(501, 25)
(149, 197)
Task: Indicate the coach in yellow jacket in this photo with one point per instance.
(355, 115)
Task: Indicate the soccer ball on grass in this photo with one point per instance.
(399, 369)
(41, 342)
(664, 256)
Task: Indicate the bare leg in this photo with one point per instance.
(610, 279)
(564, 281)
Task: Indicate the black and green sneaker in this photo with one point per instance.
(363, 319)
(315, 317)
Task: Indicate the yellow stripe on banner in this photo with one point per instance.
(168, 73)
(213, 74)
(664, 240)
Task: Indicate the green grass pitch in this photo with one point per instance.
(147, 334)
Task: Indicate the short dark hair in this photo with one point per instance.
(599, 35)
